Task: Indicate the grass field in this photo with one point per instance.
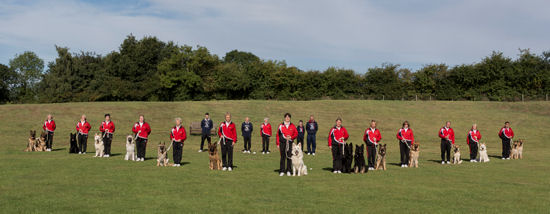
(59, 182)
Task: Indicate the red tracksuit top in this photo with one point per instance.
(473, 136)
(407, 135)
(335, 134)
(178, 134)
(144, 130)
(265, 129)
(107, 127)
(372, 136)
(443, 133)
(83, 128)
(506, 132)
(228, 131)
(49, 126)
(284, 131)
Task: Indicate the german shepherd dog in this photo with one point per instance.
(162, 157)
(41, 142)
(99, 146)
(130, 148)
(31, 145)
(520, 148)
(72, 142)
(360, 166)
(297, 159)
(381, 158)
(483, 157)
(348, 158)
(515, 151)
(413, 155)
(215, 162)
(456, 155)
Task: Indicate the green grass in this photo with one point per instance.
(60, 182)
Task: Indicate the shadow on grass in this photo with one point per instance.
(59, 149)
(435, 161)
(495, 156)
(115, 154)
(395, 164)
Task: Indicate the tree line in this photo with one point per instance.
(148, 69)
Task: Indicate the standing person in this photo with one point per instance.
(206, 126)
(311, 127)
(301, 133)
(49, 128)
(82, 128)
(286, 133)
(473, 142)
(406, 139)
(371, 137)
(246, 129)
(228, 135)
(142, 130)
(266, 134)
(177, 136)
(506, 134)
(447, 136)
(107, 129)
(336, 139)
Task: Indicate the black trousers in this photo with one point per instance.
(247, 143)
(141, 146)
(445, 150)
(227, 153)
(178, 150)
(207, 137)
(82, 142)
(506, 147)
(285, 156)
(371, 153)
(265, 143)
(107, 140)
(311, 144)
(300, 140)
(473, 150)
(337, 156)
(404, 149)
(49, 139)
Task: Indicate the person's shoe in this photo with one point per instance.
(200, 150)
(263, 153)
(288, 174)
(503, 158)
(79, 152)
(339, 172)
(229, 169)
(334, 172)
(281, 174)
(267, 152)
(313, 154)
(402, 166)
(448, 162)
(406, 166)
(471, 161)
(442, 162)
(244, 151)
(475, 161)
(308, 153)
(107, 156)
(142, 159)
(507, 158)
(83, 152)
(225, 168)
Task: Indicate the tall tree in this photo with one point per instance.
(7, 78)
(29, 68)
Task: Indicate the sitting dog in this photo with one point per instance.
(31, 145)
(456, 155)
(41, 142)
(514, 150)
(130, 148)
(297, 160)
(215, 162)
(520, 149)
(381, 158)
(72, 142)
(162, 157)
(483, 157)
(99, 147)
(348, 158)
(360, 166)
(413, 155)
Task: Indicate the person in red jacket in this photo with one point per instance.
(82, 128)
(107, 129)
(266, 134)
(472, 139)
(228, 134)
(49, 128)
(142, 130)
(177, 136)
(447, 136)
(406, 139)
(372, 137)
(337, 137)
(286, 133)
(506, 134)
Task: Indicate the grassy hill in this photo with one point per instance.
(61, 182)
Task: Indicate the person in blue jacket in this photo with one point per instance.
(301, 133)
(206, 126)
(246, 129)
(311, 128)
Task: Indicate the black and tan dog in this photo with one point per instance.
(41, 143)
(74, 146)
(215, 162)
(162, 157)
(31, 145)
(413, 155)
(360, 166)
(381, 158)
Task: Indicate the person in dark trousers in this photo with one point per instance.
(406, 139)
(49, 128)
(371, 137)
(301, 132)
(286, 134)
(472, 139)
(506, 134)
(82, 128)
(337, 137)
(311, 128)
(228, 134)
(142, 130)
(107, 129)
(447, 136)
(206, 126)
(246, 130)
(177, 136)
(265, 129)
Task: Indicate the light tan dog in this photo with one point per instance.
(413, 155)
(162, 157)
(31, 146)
(456, 155)
(99, 146)
(215, 162)
(520, 148)
(381, 158)
(514, 150)
(41, 143)
(483, 157)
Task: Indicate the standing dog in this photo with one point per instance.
(31, 145)
(130, 149)
(514, 150)
(413, 155)
(483, 157)
(72, 142)
(520, 149)
(298, 160)
(456, 155)
(360, 166)
(215, 162)
(98, 144)
(162, 158)
(381, 158)
(348, 158)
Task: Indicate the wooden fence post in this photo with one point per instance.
(383, 97)
(522, 99)
(416, 97)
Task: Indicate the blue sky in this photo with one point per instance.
(309, 34)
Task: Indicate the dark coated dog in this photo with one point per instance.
(74, 146)
(348, 158)
(360, 166)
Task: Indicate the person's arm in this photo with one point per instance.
(44, 126)
(412, 137)
(77, 129)
(220, 134)
(184, 134)
(101, 127)
(398, 135)
(112, 127)
(277, 137)
(172, 137)
(468, 138)
(294, 133)
(511, 133)
(379, 136)
(330, 139)
(53, 126)
(202, 124)
(134, 128)
(148, 129)
(210, 125)
(234, 133)
(346, 135)
(316, 127)
(251, 128)
(88, 127)
(365, 136)
(441, 135)
(478, 135)
(242, 129)
(452, 135)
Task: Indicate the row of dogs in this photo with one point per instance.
(36, 144)
(360, 165)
